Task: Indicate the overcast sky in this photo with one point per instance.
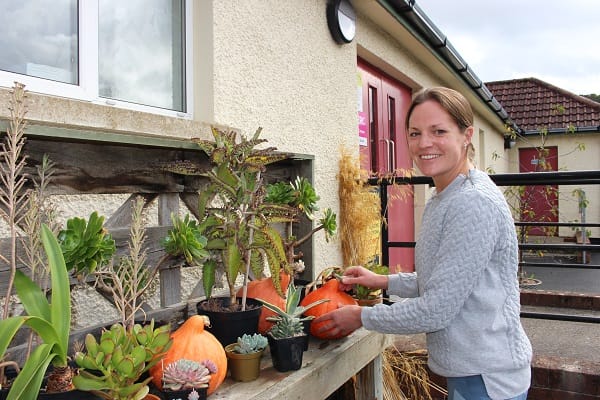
(555, 41)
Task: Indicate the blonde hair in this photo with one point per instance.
(453, 102)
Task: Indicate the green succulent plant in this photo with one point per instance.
(186, 374)
(288, 322)
(111, 367)
(364, 292)
(186, 239)
(247, 344)
(86, 245)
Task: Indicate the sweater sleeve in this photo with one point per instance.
(460, 251)
(403, 284)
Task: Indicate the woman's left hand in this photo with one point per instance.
(342, 321)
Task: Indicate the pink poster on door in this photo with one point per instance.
(363, 129)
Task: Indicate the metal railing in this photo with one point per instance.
(521, 179)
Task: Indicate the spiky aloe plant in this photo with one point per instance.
(186, 374)
(288, 322)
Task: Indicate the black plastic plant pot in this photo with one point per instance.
(70, 395)
(306, 326)
(228, 325)
(183, 394)
(287, 353)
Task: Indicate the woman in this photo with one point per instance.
(464, 294)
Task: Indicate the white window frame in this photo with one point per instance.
(87, 90)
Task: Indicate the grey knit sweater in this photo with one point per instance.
(465, 292)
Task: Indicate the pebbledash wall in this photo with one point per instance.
(273, 64)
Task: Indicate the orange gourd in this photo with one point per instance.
(265, 290)
(192, 342)
(330, 290)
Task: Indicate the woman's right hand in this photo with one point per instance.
(358, 275)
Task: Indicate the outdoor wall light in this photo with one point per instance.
(341, 20)
(509, 142)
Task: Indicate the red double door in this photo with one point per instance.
(382, 107)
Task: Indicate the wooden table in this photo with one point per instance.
(326, 366)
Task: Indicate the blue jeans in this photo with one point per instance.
(472, 388)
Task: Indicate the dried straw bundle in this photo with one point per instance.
(360, 212)
(405, 376)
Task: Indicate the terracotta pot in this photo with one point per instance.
(151, 396)
(369, 302)
(243, 367)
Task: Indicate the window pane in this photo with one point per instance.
(39, 38)
(141, 52)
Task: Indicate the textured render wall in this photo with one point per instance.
(277, 67)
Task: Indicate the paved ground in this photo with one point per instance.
(568, 340)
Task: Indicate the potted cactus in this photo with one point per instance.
(183, 376)
(244, 356)
(111, 368)
(287, 338)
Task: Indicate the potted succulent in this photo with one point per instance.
(244, 356)
(183, 376)
(366, 296)
(236, 220)
(51, 321)
(111, 367)
(287, 338)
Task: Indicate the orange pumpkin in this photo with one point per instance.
(265, 290)
(330, 290)
(192, 342)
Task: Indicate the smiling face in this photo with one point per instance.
(437, 144)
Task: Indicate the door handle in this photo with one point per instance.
(392, 145)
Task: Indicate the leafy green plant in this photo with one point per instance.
(288, 321)
(50, 320)
(300, 198)
(111, 367)
(233, 215)
(86, 245)
(250, 343)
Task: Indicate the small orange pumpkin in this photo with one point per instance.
(192, 342)
(330, 290)
(265, 290)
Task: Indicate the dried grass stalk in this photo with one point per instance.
(406, 376)
(360, 212)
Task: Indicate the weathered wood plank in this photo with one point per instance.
(88, 167)
(122, 217)
(325, 367)
(170, 278)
